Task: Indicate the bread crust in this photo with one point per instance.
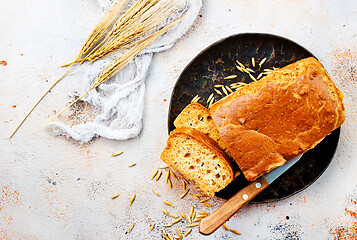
(280, 117)
(189, 117)
(169, 155)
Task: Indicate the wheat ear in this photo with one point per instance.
(122, 61)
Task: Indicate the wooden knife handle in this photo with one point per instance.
(213, 221)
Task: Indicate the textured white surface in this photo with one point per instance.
(53, 188)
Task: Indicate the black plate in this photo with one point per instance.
(218, 61)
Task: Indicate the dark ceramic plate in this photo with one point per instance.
(215, 63)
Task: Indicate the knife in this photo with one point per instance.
(213, 221)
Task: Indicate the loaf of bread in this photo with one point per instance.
(198, 158)
(198, 117)
(279, 117)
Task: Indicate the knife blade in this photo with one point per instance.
(213, 221)
(277, 172)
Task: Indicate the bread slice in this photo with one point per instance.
(279, 117)
(198, 158)
(198, 117)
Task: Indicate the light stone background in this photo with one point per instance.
(54, 188)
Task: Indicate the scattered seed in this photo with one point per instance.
(173, 174)
(204, 200)
(157, 171)
(240, 64)
(187, 182)
(253, 62)
(132, 199)
(158, 194)
(218, 86)
(262, 62)
(175, 216)
(169, 236)
(218, 92)
(188, 232)
(236, 86)
(212, 101)
(224, 90)
(201, 195)
(184, 194)
(183, 216)
(201, 216)
(210, 104)
(239, 68)
(225, 226)
(166, 212)
(195, 99)
(184, 185)
(170, 183)
(168, 203)
(235, 231)
(195, 196)
(230, 77)
(207, 204)
(168, 225)
(268, 70)
(158, 175)
(168, 176)
(193, 216)
(245, 70)
(203, 213)
(117, 153)
(192, 225)
(229, 89)
(163, 167)
(252, 77)
(176, 221)
(179, 233)
(152, 226)
(115, 196)
(260, 75)
(191, 212)
(250, 70)
(132, 165)
(236, 174)
(177, 237)
(130, 228)
(210, 97)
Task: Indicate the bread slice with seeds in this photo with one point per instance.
(198, 158)
(198, 117)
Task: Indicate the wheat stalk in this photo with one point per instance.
(120, 39)
(133, 31)
(122, 61)
(107, 20)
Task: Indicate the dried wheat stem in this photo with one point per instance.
(68, 105)
(108, 20)
(123, 60)
(34, 106)
(125, 39)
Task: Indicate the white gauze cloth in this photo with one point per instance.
(120, 100)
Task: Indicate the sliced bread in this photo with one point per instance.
(198, 117)
(198, 158)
